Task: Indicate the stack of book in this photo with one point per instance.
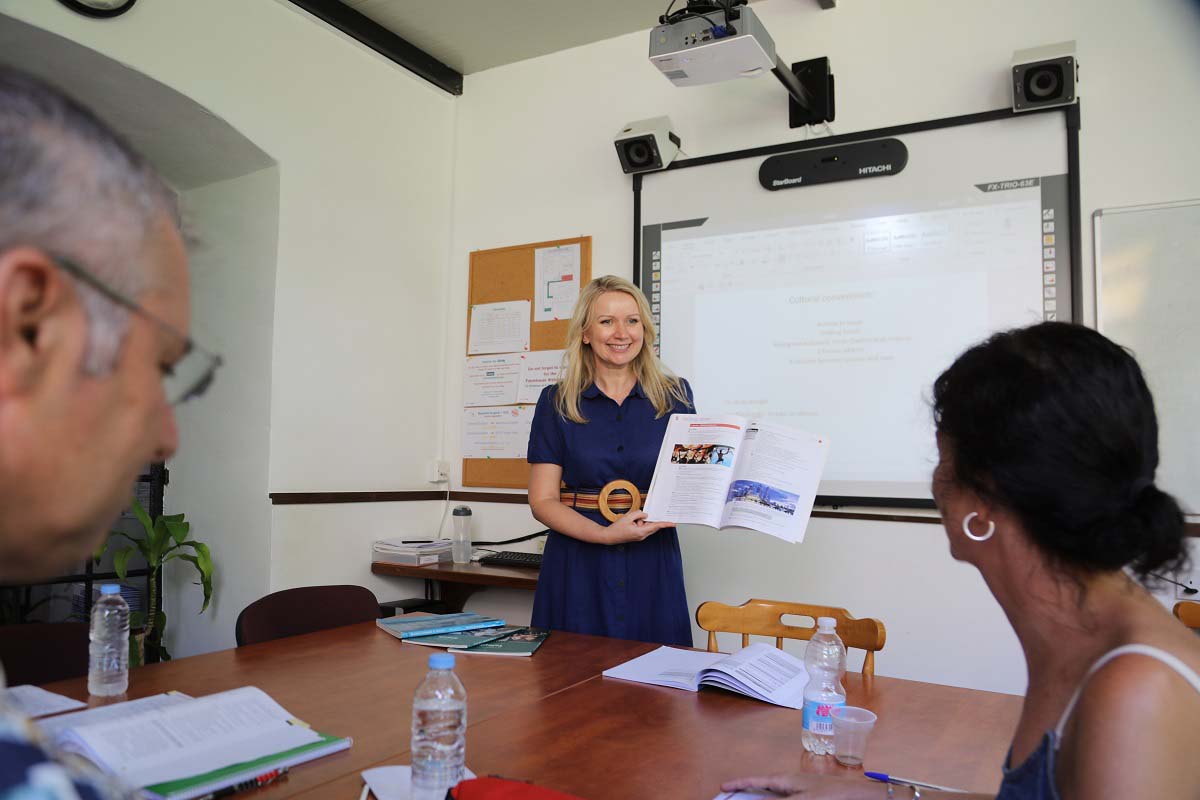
(466, 633)
(394, 551)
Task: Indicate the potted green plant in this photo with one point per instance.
(166, 539)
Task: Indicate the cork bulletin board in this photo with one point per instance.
(505, 274)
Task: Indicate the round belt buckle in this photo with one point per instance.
(613, 486)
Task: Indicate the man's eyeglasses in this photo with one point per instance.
(188, 377)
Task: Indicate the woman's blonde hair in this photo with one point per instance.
(661, 386)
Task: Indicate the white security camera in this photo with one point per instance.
(1045, 76)
(646, 145)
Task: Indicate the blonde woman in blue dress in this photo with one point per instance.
(605, 421)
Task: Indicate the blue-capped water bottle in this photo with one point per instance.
(439, 730)
(108, 648)
(825, 661)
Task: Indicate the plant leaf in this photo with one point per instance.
(135, 652)
(179, 530)
(160, 540)
(173, 517)
(121, 561)
(205, 579)
(142, 516)
(136, 619)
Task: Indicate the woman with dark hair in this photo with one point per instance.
(1048, 445)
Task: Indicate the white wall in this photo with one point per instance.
(219, 478)
(535, 161)
(364, 151)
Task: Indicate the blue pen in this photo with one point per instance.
(883, 777)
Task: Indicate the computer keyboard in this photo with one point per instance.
(511, 558)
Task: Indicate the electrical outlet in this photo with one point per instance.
(437, 471)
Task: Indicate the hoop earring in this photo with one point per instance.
(966, 525)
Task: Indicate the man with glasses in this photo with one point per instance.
(94, 350)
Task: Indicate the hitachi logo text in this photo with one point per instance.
(787, 181)
(875, 169)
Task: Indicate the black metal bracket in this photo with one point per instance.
(383, 41)
(810, 89)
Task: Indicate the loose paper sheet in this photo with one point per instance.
(492, 380)
(540, 369)
(496, 432)
(34, 701)
(556, 271)
(499, 328)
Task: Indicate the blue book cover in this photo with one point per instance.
(406, 627)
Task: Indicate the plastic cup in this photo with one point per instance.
(851, 726)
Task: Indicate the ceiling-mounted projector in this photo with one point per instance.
(710, 41)
(701, 49)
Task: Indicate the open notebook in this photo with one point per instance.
(180, 748)
(759, 671)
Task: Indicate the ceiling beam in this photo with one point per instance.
(383, 41)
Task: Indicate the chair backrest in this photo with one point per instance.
(765, 618)
(42, 652)
(1189, 612)
(303, 610)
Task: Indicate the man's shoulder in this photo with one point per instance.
(27, 769)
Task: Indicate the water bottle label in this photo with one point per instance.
(816, 717)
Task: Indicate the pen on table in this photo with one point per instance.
(266, 779)
(496, 638)
(883, 777)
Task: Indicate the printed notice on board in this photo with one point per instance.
(499, 328)
(492, 380)
(497, 432)
(556, 276)
(541, 368)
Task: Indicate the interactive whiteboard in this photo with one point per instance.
(833, 307)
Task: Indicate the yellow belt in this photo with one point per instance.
(600, 499)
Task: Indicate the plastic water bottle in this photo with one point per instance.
(825, 661)
(108, 651)
(460, 540)
(439, 730)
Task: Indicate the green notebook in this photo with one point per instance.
(202, 745)
(511, 640)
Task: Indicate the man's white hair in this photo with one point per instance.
(73, 188)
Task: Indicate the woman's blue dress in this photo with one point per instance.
(627, 591)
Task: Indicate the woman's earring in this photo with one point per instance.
(966, 525)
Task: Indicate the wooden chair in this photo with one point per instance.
(42, 652)
(1188, 612)
(765, 618)
(292, 612)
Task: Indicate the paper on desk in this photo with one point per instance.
(34, 701)
(496, 432)
(492, 380)
(499, 328)
(540, 369)
(556, 284)
(395, 783)
(53, 726)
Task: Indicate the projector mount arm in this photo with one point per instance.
(809, 84)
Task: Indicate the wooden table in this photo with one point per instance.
(457, 582)
(552, 719)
